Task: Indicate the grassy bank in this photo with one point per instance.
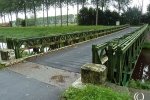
(26, 32)
(139, 85)
(1, 66)
(146, 45)
(91, 92)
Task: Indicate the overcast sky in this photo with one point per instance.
(145, 4)
(72, 10)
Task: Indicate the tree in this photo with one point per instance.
(43, 8)
(83, 17)
(148, 8)
(60, 5)
(132, 16)
(121, 5)
(16, 8)
(47, 4)
(96, 2)
(101, 3)
(146, 17)
(87, 17)
(92, 16)
(67, 2)
(33, 5)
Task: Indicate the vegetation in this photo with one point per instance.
(51, 21)
(125, 13)
(22, 32)
(139, 85)
(88, 17)
(91, 92)
(131, 16)
(146, 45)
(146, 17)
(1, 66)
(11, 7)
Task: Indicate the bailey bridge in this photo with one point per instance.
(117, 48)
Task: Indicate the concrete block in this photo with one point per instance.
(7, 54)
(94, 74)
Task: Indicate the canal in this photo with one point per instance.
(142, 69)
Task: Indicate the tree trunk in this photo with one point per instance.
(55, 14)
(102, 8)
(67, 12)
(43, 15)
(60, 10)
(97, 2)
(16, 17)
(102, 3)
(25, 14)
(4, 18)
(119, 7)
(77, 7)
(8, 18)
(82, 3)
(34, 11)
(11, 16)
(47, 13)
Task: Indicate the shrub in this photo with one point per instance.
(88, 17)
(91, 92)
(139, 85)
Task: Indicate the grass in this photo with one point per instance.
(146, 45)
(139, 85)
(2, 66)
(91, 92)
(29, 32)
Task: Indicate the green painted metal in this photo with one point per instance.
(122, 55)
(57, 41)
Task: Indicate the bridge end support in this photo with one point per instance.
(94, 74)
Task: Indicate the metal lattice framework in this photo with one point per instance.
(57, 41)
(120, 55)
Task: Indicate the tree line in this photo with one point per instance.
(133, 16)
(145, 18)
(87, 16)
(10, 7)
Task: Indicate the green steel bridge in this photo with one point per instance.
(118, 48)
(120, 55)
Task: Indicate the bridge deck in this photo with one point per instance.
(72, 58)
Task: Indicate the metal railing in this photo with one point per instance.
(120, 55)
(43, 44)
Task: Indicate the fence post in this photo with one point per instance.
(110, 64)
(119, 66)
(95, 56)
(17, 49)
(10, 43)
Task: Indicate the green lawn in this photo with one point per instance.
(91, 92)
(26, 32)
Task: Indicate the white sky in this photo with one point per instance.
(139, 2)
(72, 10)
